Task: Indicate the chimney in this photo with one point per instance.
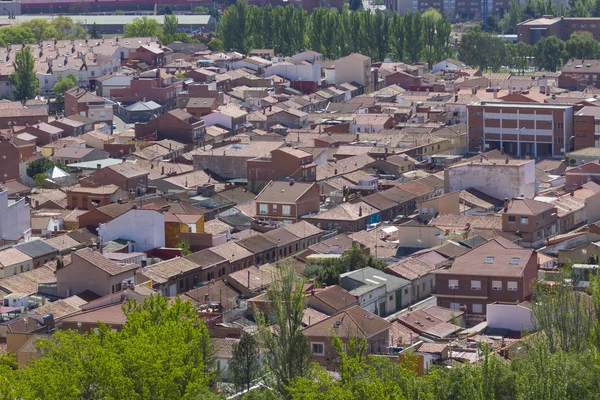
(547, 90)
(162, 170)
(505, 204)
(455, 98)
(573, 192)
(335, 171)
(292, 182)
(98, 167)
(495, 93)
(123, 160)
(248, 279)
(506, 161)
(360, 211)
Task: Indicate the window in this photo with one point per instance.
(455, 306)
(497, 285)
(274, 207)
(264, 208)
(391, 297)
(524, 220)
(318, 349)
(453, 284)
(512, 286)
(514, 261)
(477, 308)
(512, 219)
(286, 210)
(489, 260)
(475, 285)
(181, 284)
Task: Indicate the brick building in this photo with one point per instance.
(523, 129)
(285, 162)
(177, 125)
(498, 270)
(532, 30)
(9, 160)
(287, 201)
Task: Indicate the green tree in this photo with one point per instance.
(286, 348)
(23, 79)
(170, 24)
(549, 53)
(157, 355)
(40, 28)
(245, 365)
(216, 44)
(39, 179)
(39, 166)
(119, 12)
(65, 28)
(512, 17)
(582, 45)
(143, 26)
(62, 84)
(95, 32)
(184, 245)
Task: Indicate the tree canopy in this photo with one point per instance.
(160, 354)
(23, 79)
(62, 84)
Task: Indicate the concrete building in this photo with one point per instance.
(145, 229)
(15, 218)
(496, 178)
(522, 129)
(353, 68)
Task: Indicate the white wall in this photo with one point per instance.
(500, 181)
(509, 316)
(370, 300)
(146, 228)
(296, 72)
(15, 219)
(218, 118)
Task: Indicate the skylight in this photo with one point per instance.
(489, 259)
(514, 260)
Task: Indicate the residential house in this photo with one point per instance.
(82, 102)
(90, 270)
(345, 217)
(502, 179)
(88, 198)
(72, 155)
(395, 165)
(157, 89)
(14, 113)
(533, 221)
(178, 224)
(103, 214)
(127, 176)
(420, 274)
(9, 160)
(44, 132)
(143, 229)
(263, 248)
(285, 162)
(352, 323)
(353, 68)
(446, 204)
(391, 292)
(39, 251)
(176, 125)
(13, 262)
(330, 300)
(70, 127)
(287, 201)
(496, 271)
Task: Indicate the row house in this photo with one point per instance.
(287, 201)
